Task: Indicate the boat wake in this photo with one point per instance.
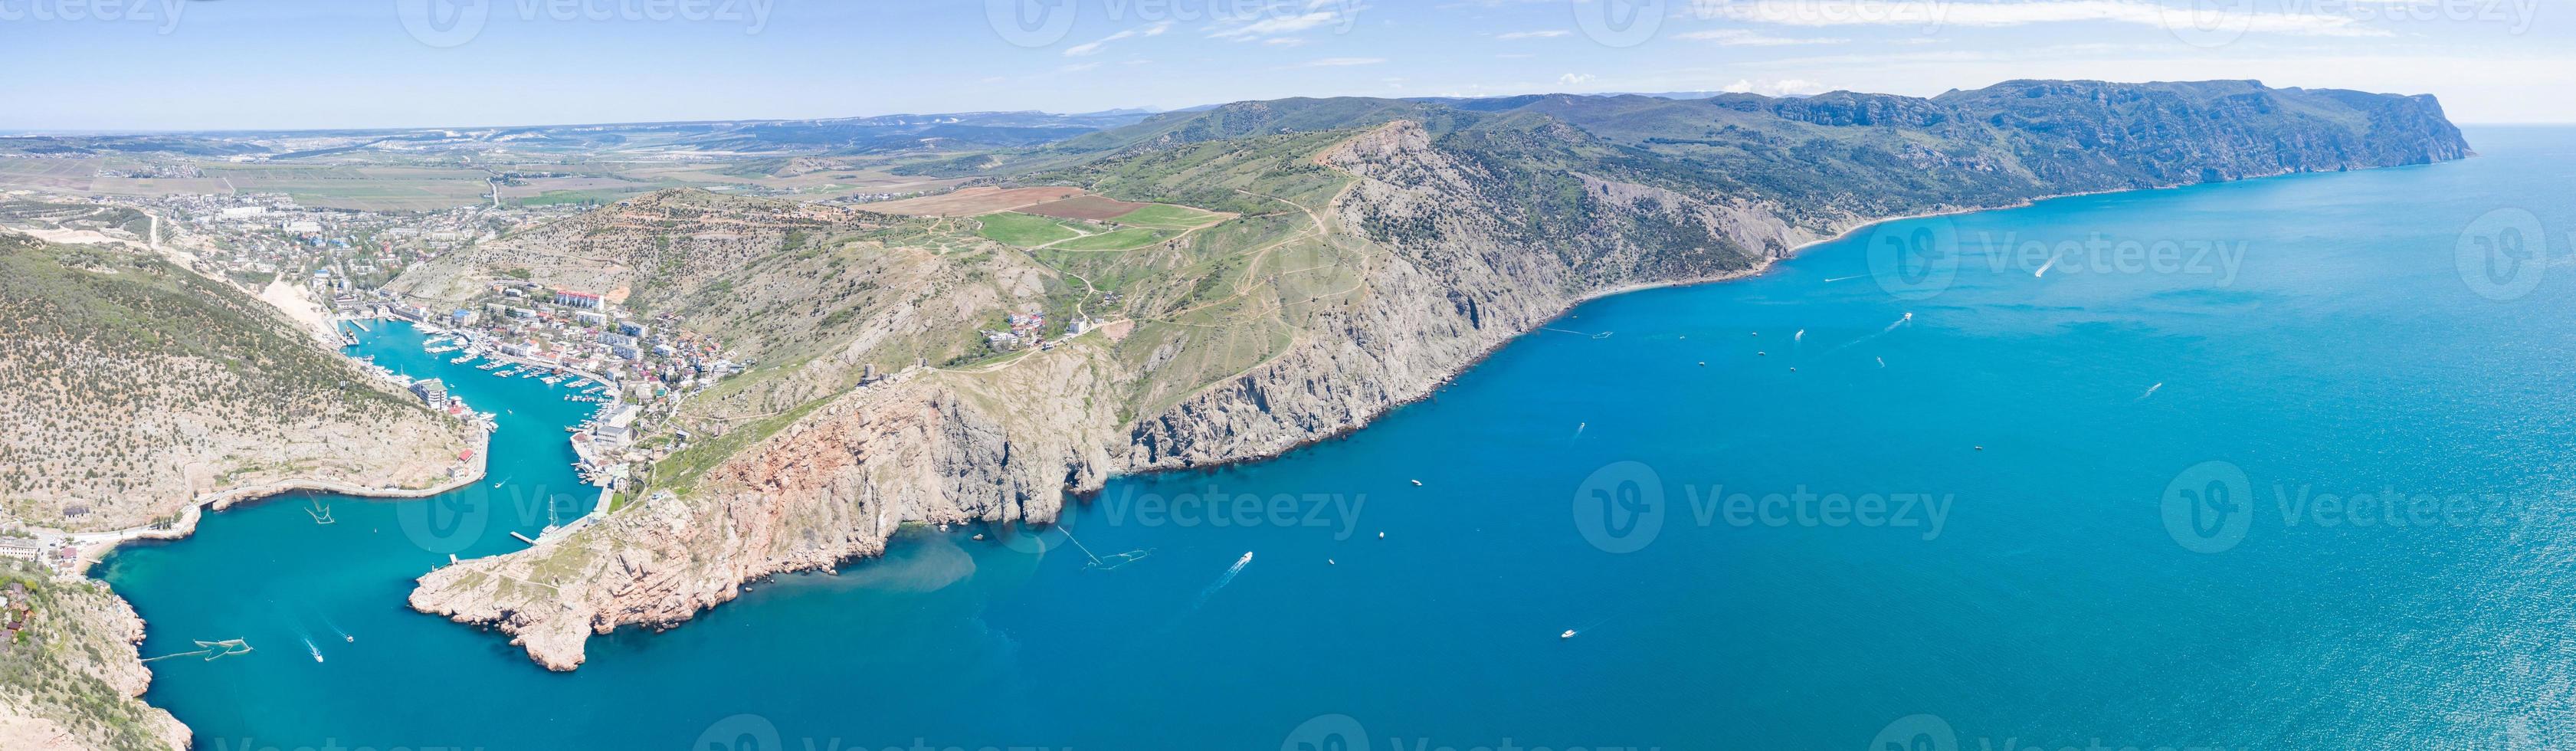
(2151, 391)
(1222, 580)
(1900, 323)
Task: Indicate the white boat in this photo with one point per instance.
(463, 359)
(1569, 634)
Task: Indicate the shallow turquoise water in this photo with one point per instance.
(2054, 600)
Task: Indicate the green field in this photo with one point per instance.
(1024, 230)
(1126, 239)
(1166, 216)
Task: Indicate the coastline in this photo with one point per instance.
(96, 545)
(1432, 389)
(556, 641)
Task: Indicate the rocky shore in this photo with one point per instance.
(1457, 251)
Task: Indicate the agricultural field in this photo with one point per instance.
(811, 186)
(365, 188)
(972, 201)
(1168, 216)
(1094, 207)
(1025, 230)
(59, 174)
(1129, 238)
(1050, 233)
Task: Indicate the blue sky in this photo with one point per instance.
(205, 64)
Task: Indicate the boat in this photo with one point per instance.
(1569, 634)
(463, 359)
(552, 380)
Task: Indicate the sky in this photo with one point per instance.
(144, 65)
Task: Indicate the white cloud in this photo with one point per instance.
(1746, 38)
(1934, 14)
(1517, 35)
(1315, 17)
(1786, 87)
(1575, 79)
(1094, 47)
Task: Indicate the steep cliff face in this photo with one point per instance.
(927, 447)
(1470, 282)
(1370, 264)
(69, 675)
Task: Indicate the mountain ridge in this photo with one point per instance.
(1376, 248)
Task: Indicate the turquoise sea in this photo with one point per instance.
(2273, 464)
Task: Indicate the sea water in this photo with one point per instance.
(2281, 463)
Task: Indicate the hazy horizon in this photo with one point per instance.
(180, 66)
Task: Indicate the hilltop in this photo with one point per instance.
(139, 386)
(69, 673)
(1228, 284)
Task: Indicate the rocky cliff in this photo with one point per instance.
(1381, 247)
(69, 675)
